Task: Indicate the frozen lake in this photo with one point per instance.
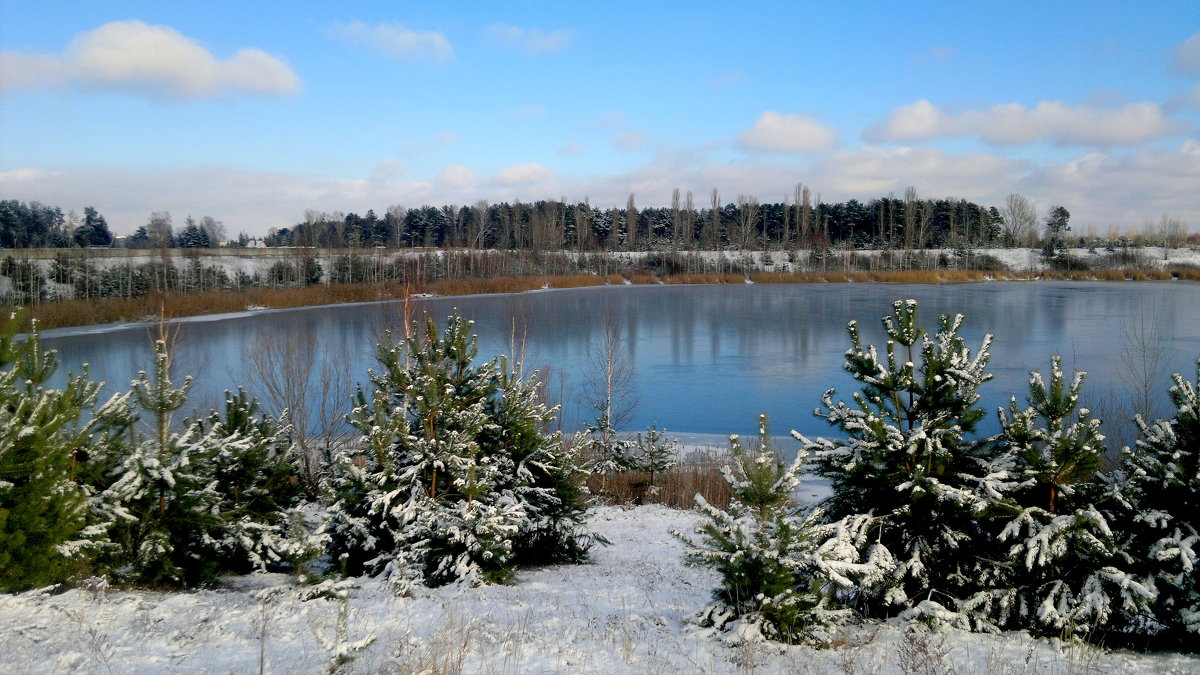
(707, 359)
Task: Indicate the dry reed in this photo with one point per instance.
(697, 474)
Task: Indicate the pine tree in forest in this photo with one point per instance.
(453, 478)
(1157, 491)
(42, 437)
(909, 466)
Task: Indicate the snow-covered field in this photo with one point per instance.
(626, 612)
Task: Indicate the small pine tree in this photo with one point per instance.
(452, 477)
(909, 466)
(1157, 492)
(258, 481)
(656, 454)
(42, 436)
(766, 550)
(1063, 571)
(160, 502)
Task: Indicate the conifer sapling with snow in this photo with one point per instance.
(766, 549)
(453, 476)
(42, 439)
(1063, 571)
(909, 466)
(1157, 488)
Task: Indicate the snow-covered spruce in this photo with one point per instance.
(776, 563)
(1157, 495)
(454, 478)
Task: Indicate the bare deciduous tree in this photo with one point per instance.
(1020, 221)
(609, 384)
(312, 385)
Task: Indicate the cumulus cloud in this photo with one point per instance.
(394, 40)
(1015, 124)
(528, 41)
(1121, 186)
(1189, 99)
(1186, 58)
(455, 176)
(386, 171)
(156, 61)
(775, 132)
(521, 174)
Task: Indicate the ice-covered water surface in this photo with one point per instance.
(706, 359)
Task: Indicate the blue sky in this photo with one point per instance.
(254, 112)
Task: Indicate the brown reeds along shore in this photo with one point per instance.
(452, 273)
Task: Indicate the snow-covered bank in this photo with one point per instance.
(624, 613)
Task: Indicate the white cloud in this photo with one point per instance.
(775, 132)
(1126, 187)
(394, 40)
(156, 61)
(1015, 124)
(571, 149)
(1186, 58)
(447, 138)
(528, 41)
(521, 174)
(1189, 99)
(386, 171)
(455, 176)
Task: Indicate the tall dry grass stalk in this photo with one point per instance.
(696, 474)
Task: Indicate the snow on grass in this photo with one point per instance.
(626, 612)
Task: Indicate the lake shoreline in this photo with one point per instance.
(218, 305)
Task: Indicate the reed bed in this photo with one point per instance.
(697, 474)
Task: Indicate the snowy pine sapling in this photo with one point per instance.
(1157, 488)
(259, 481)
(656, 454)
(173, 503)
(453, 476)
(1063, 571)
(42, 438)
(765, 548)
(908, 464)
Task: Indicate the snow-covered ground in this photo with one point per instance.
(626, 612)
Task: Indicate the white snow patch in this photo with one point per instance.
(626, 612)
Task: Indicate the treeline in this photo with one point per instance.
(801, 221)
(35, 225)
(745, 223)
